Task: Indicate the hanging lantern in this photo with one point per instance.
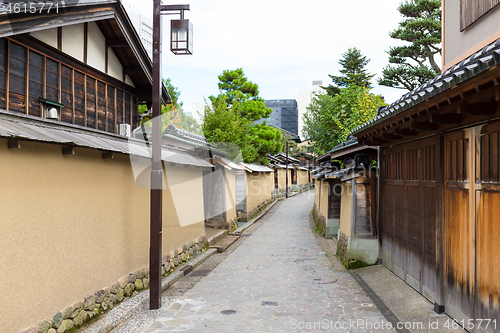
(182, 37)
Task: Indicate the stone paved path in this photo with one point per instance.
(277, 280)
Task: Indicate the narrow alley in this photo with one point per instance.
(278, 279)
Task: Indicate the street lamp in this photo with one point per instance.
(184, 41)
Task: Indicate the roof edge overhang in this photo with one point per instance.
(464, 95)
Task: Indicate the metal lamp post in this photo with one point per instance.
(183, 45)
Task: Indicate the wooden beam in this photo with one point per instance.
(85, 42)
(449, 118)
(66, 150)
(477, 109)
(132, 70)
(378, 141)
(424, 126)
(391, 136)
(117, 43)
(405, 132)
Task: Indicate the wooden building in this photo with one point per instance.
(439, 172)
(347, 199)
(75, 193)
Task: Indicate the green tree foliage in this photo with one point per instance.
(232, 118)
(173, 113)
(329, 119)
(353, 72)
(414, 64)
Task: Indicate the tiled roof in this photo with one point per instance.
(476, 64)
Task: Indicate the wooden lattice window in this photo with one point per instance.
(472, 10)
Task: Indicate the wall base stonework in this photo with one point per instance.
(79, 313)
(356, 253)
(319, 221)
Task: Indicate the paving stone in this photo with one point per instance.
(279, 263)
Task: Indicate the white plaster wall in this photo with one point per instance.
(48, 36)
(115, 68)
(96, 48)
(72, 40)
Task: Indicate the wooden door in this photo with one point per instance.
(408, 214)
(472, 230)
(458, 227)
(487, 196)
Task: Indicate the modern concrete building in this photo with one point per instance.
(305, 98)
(285, 114)
(144, 28)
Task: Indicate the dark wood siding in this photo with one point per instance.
(472, 10)
(128, 109)
(101, 106)
(111, 110)
(52, 80)
(119, 107)
(3, 72)
(91, 102)
(67, 94)
(17, 78)
(409, 214)
(27, 76)
(36, 64)
(79, 96)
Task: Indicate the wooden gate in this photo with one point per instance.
(408, 213)
(472, 212)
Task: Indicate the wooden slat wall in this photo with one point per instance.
(101, 106)
(17, 78)
(91, 102)
(111, 110)
(459, 231)
(35, 83)
(79, 81)
(409, 214)
(472, 10)
(487, 227)
(119, 107)
(27, 75)
(67, 94)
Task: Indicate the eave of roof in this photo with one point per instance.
(23, 127)
(478, 63)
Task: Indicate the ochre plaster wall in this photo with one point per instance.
(74, 224)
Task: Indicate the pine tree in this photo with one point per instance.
(353, 72)
(412, 65)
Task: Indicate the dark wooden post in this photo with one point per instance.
(155, 244)
(440, 221)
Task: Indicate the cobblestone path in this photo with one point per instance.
(277, 280)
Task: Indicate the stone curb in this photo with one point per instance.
(249, 223)
(127, 309)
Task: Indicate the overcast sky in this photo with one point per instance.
(281, 45)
